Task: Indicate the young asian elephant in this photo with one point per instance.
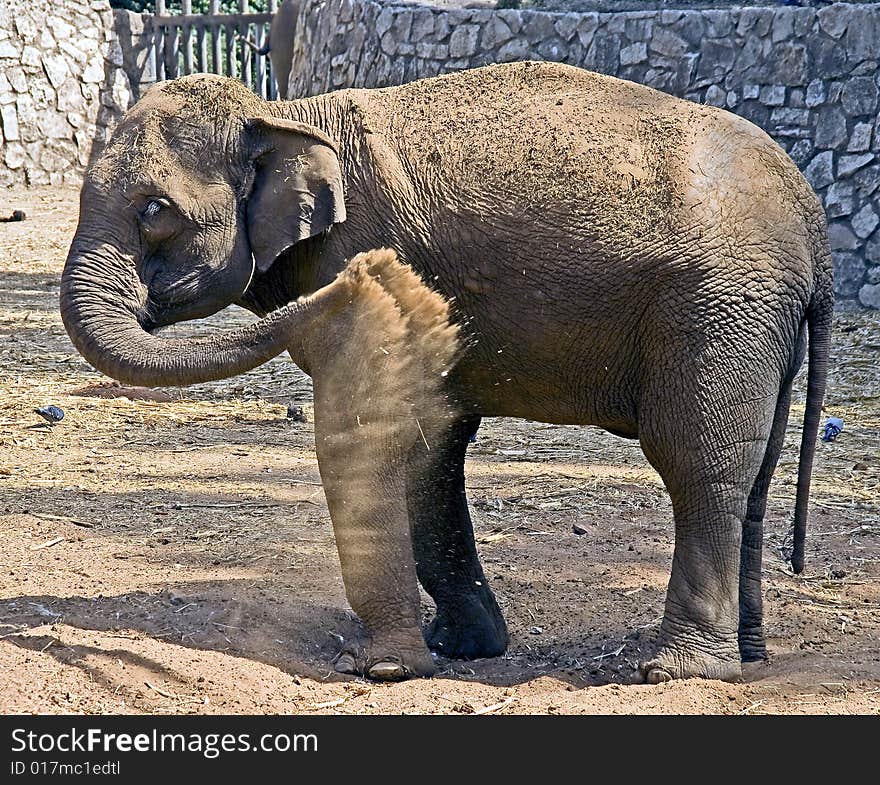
(614, 256)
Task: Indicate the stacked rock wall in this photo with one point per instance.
(808, 76)
(68, 70)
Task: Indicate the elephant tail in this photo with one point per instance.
(267, 46)
(819, 318)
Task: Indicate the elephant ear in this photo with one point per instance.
(297, 187)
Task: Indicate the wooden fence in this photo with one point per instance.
(225, 44)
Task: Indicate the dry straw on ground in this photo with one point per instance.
(177, 556)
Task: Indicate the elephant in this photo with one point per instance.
(612, 255)
(279, 45)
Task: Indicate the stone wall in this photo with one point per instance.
(67, 72)
(808, 76)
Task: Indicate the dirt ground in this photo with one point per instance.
(176, 555)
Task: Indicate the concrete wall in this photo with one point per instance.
(808, 76)
(67, 72)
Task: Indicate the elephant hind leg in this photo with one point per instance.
(752, 644)
(706, 435)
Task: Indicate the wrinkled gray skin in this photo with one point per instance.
(279, 47)
(617, 256)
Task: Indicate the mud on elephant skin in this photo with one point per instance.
(615, 256)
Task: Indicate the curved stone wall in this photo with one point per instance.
(808, 76)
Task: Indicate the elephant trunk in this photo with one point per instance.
(101, 299)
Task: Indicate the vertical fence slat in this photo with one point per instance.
(187, 39)
(201, 48)
(160, 54)
(216, 61)
(243, 46)
(160, 43)
(245, 54)
(172, 52)
(231, 59)
(267, 85)
(259, 63)
(270, 90)
(166, 48)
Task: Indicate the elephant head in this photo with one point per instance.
(199, 186)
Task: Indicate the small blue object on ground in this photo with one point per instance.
(51, 414)
(832, 428)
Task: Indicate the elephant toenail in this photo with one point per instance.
(387, 671)
(345, 663)
(658, 676)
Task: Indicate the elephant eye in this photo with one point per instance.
(153, 206)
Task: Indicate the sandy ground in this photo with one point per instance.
(176, 556)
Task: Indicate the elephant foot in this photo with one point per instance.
(672, 662)
(471, 629)
(752, 645)
(385, 660)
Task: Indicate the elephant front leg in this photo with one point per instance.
(468, 623)
(365, 488)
